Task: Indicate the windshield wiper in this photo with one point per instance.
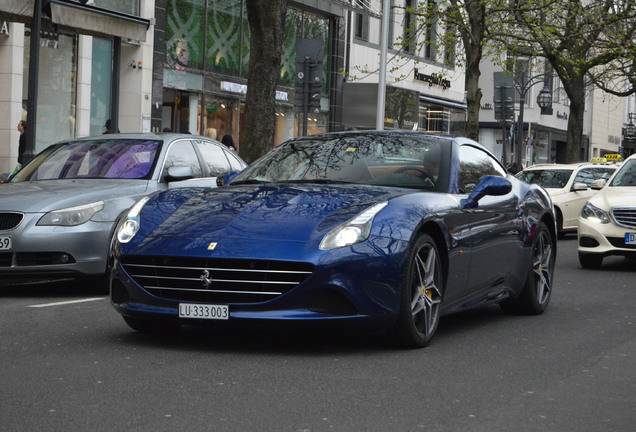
(321, 181)
(250, 181)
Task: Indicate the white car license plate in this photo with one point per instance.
(203, 311)
(5, 243)
(630, 238)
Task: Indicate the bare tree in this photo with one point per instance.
(584, 41)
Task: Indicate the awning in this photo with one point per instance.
(16, 10)
(98, 22)
(83, 19)
(443, 102)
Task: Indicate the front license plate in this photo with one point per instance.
(5, 243)
(630, 238)
(202, 311)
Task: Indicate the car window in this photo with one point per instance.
(547, 178)
(235, 164)
(99, 158)
(214, 158)
(387, 160)
(474, 164)
(181, 153)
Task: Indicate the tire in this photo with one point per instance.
(421, 296)
(152, 325)
(590, 261)
(537, 290)
(560, 232)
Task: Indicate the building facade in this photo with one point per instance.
(94, 59)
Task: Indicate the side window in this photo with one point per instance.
(474, 164)
(604, 173)
(235, 163)
(214, 158)
(181, 153)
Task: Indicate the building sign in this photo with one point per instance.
(434, 79)
(242, 89)
(4, 28)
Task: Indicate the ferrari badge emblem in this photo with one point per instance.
(211, 246)
(205, 278)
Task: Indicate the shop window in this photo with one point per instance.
(57, 87)
(227, 37)
(184, 34)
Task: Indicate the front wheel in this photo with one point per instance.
(537, 289)
(421, 297)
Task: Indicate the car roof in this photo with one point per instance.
(574, 165)
(163, 136)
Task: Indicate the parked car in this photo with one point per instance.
(607, 224)
(569, 187)
(58, 213)
(377, 229)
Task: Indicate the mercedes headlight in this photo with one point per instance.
(131, 223)
(71, 216)
(353, 231)
(594, 214)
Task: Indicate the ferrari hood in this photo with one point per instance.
(48, 195)
(264, 212)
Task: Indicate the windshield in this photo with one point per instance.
(388, 160)
(112, 159)
(626, 175)
(547, 178)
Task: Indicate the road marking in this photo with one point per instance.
(67, 302)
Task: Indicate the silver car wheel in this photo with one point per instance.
(426, 296)
(542, 267)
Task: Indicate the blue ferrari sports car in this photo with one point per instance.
(368, 229)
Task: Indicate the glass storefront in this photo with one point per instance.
(207, 59)
(57, 87)
(101, 80)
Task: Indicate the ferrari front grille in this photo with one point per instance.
(214, 280)
(625, 216)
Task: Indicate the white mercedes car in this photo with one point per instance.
(607, 224)
(569, 186)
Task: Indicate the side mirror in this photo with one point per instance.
(179, 173)
(598, 184)
(226, 178)
(488, 185)
(579, 187)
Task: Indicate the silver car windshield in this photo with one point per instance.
(112, 159)
(390, 160)
(626, 175)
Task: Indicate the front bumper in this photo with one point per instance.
(360, 287)
(604, 239)
(53, 252)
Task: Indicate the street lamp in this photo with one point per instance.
(544, 100)
(630, 129)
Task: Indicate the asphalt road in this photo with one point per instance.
(68, 366)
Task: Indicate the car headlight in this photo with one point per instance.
(131, 223)
(71, 216)
(594, 214)
(353, 231)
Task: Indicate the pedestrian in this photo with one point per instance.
(22, 125)
(228, 141)
(107, 125)
(513, 168)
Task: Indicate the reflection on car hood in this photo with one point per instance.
(608, 197)
(47, 195)
(265, 212)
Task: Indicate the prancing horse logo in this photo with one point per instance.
(205, 278)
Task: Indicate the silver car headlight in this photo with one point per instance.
(353, 231)
(594, 214)
(71, 216)
(131, 223)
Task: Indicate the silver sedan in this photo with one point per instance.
(58, 213)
